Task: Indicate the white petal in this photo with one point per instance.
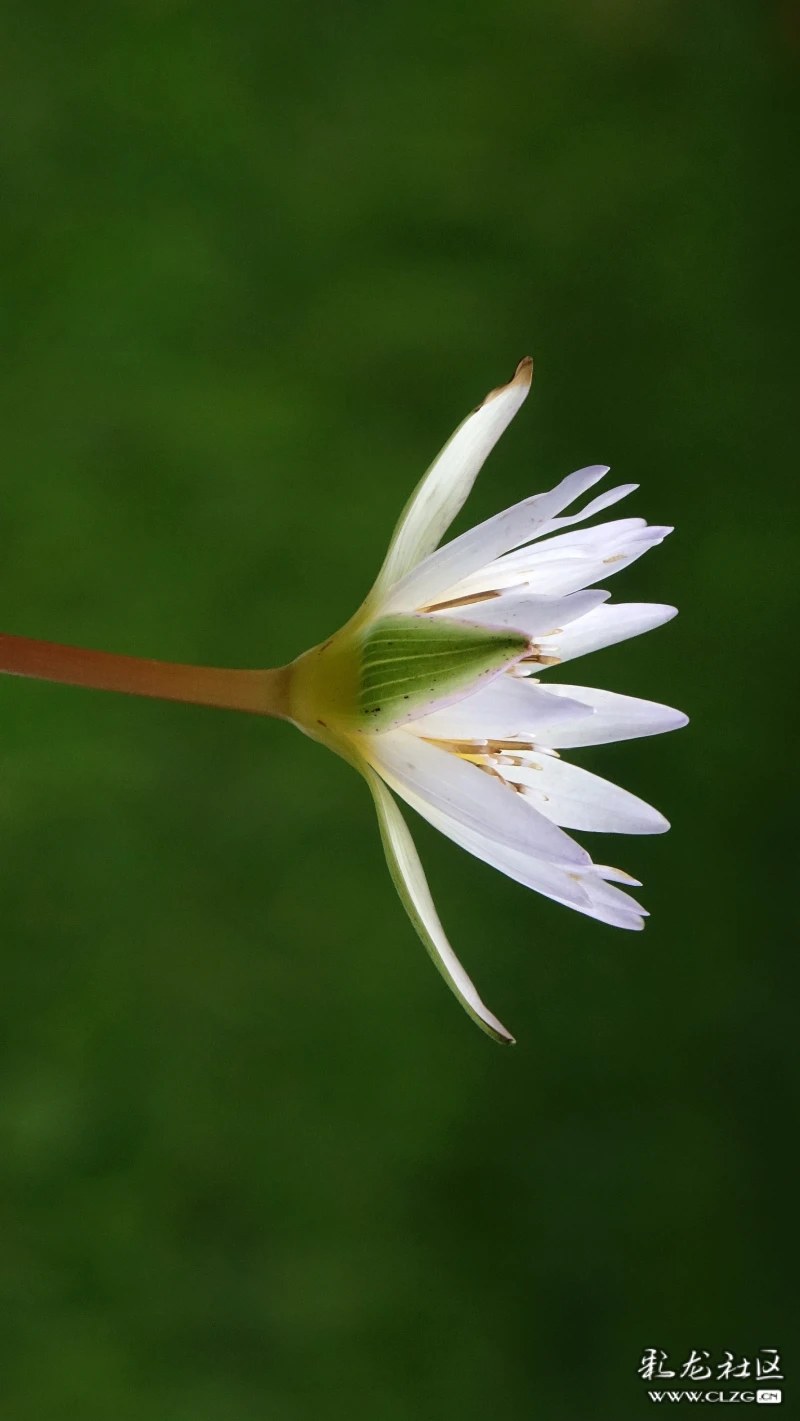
(596, 538)
(580, 538)
(571, 574)
(616, 875)
(536, 873)
(535, 616)
(580, 889)
(411, 884)
(606, 625)
(556, 572)
(617, 909)
(505, 710)
(576, 799)
(447, 483)
(429, 583)
(603, 500)
(615, 717)
(567, 562)
(477, 800)
(603, 892)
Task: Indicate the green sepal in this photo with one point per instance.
(412, 665)
(412, 887)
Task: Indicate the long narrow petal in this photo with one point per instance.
(578, 539)
(411, 884)
(577, 799)
(571, 574)
(606, 625)
(477, 800)
(447, 483)
(430, 582)
(615, 717)
(617, 875)
(617, 909)
(568, 562)
(535, 616)
(582, 889)
(597, 505)
(507, 709)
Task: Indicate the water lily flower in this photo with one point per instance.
(433, 689)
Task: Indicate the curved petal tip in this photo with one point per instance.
(522, 376)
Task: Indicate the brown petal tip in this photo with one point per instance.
(522, 376)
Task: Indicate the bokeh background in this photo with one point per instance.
(257, 262)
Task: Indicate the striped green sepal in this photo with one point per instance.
(413, 665)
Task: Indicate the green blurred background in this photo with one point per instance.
(257, 262)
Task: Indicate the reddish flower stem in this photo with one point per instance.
(259, 692)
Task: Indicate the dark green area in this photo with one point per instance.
(257, 262)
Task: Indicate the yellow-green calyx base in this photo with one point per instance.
(395, 669)
(324, 687)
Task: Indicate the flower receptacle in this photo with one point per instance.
(324, 687)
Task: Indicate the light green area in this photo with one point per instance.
(409, 665)
(258, 261)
